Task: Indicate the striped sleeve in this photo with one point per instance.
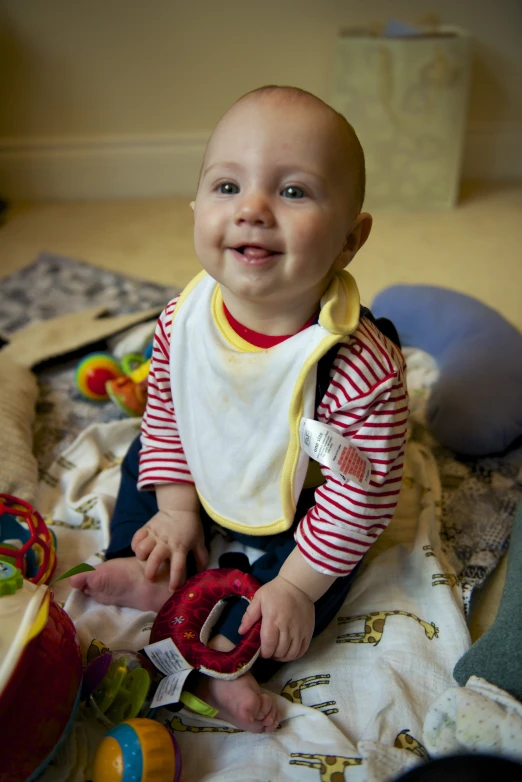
(366, 402)
(162, 459)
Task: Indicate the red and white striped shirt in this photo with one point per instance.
(366, 402)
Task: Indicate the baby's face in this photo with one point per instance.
(273, 207)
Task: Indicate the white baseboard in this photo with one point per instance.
(162, 166)
(101, 168)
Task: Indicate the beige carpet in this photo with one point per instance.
(476, 248)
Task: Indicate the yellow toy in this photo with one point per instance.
(138, 750)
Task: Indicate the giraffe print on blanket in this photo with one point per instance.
(445, 579)
(293, 689)
(331, 767)
(404, 740)
(88, 522)
(177, 723)
(374, 623)
(96, 648)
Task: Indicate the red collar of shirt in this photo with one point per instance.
(261, 340)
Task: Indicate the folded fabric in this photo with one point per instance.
(18, 394)
(497, 655)
(475, 407)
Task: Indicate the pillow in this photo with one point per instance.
(475, 407)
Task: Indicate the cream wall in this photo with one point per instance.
(93, 87)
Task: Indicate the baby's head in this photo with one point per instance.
(278, 207)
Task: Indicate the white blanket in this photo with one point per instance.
(373, 695)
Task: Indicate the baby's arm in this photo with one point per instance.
(176, 528)
(336, 533)
(172, 533)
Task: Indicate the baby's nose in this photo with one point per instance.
(255, 208)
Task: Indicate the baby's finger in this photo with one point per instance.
(302, 649)
(140, 533)
(178, 567)
(283, 651)
(159, 554)
(139, 536)
(144, 547)
(269, 638)
(250, 617)
(293, 650)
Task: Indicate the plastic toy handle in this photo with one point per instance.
(130, 697)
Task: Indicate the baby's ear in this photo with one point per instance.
(359, 234)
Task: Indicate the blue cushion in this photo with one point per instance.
(475, 407)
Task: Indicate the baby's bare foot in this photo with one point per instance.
(241, 702)
(121, 582)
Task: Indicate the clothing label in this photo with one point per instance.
(166, 657)
(324, 444)
(169, 689)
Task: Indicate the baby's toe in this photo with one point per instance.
(79, 581)
(272, 720)
(265, 704)
(268, 714)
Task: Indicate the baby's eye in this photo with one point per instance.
(228, 188)
(292, 191)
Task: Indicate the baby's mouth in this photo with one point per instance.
(255, 253)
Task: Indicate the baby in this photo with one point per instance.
(268, 343)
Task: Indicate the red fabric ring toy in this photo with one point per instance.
(188, 616)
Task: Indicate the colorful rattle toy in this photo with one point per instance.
(185, 621)
(119, 686)
(25, 540)
(138, 750)
(94, 372)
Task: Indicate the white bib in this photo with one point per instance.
(238, 407)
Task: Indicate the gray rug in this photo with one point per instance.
(53, 286)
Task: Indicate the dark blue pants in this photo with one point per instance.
(134, 508)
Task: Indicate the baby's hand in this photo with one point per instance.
(171, 535)
(288, 617)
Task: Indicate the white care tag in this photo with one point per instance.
(169, 689)
(166, 657)
(324, 444)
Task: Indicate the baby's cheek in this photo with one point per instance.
(315, 233)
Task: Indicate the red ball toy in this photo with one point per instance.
(94, 372)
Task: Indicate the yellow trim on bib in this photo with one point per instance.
(341, 305)
(339, 315)
(295, 413)
(224, 327)
(185, 292)
(281, 525)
